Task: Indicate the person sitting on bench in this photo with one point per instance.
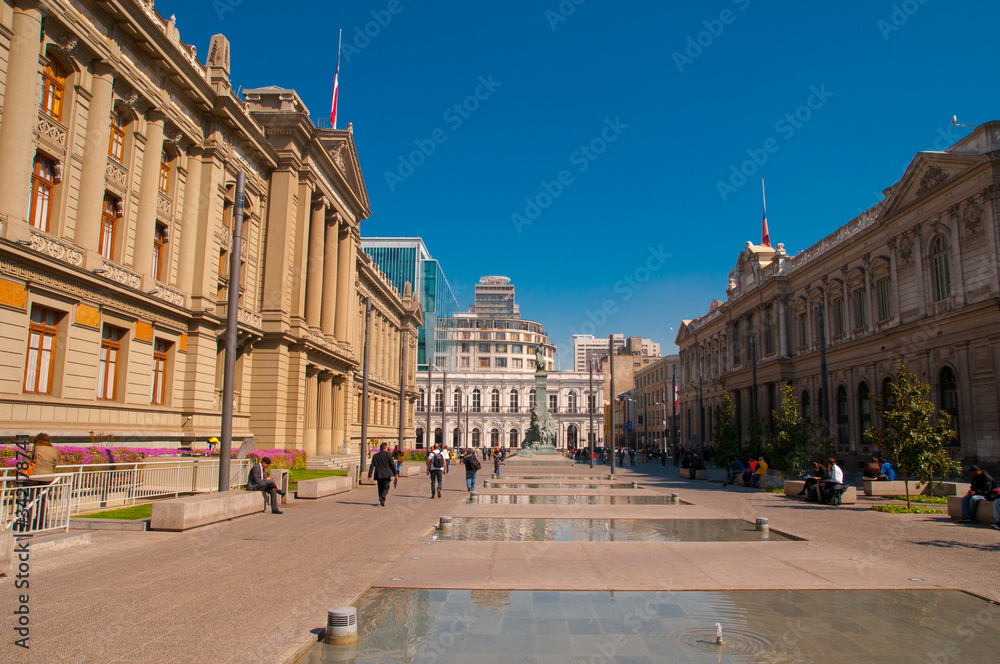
(818, 473)
(872, 469)
(885, 472)
(258, 481)
(736, 470)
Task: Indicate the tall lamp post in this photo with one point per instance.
(591, 402)
(612, 399)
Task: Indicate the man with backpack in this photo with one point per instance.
(436, 468)
(472, 466)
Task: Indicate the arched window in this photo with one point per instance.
(420, 438)
(514, 439)
(948, 386)
(53, 90)
(495, 401)
(864, 410)
(455, 438)
(572, 402)
(515, 400)
(495, 437)
(109, 224)
(572, 434)
(477, 400)
(160, 253)
(438, 436)
(940, 269)
(438, 400)
(456, 399)
(43, 180)
(476, 438)
(804, 401)
(420, 401)
(842, 432)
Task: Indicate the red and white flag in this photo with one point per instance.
(765, 236)
(336, 88)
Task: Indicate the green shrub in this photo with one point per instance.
(934, 500)
(903, 509)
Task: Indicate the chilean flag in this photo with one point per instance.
(336, 86)
(765, 237)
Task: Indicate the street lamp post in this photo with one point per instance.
(611, 400)
(591, 402)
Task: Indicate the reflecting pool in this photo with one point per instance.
(605, 530)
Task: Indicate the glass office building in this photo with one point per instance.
(403, 259)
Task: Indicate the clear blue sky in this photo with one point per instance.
(883, 78)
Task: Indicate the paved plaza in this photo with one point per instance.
(256, 589)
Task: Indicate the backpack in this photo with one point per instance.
(437, 460)
(474, 463)
(834, 493)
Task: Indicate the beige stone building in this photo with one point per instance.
(119, 151)
(916, 277)
(654, 402)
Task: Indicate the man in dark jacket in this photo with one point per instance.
(980, 487)
(257, 481)
(384, 468)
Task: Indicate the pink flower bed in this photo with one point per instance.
(70, 456)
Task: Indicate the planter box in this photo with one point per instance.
(792, 488)
(322, 487)
(180, 514)
(984, 509)
(698, 474)
(412, 470)
(893, 488)
(951, 489)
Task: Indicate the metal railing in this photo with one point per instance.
(90, 487)
(32, 508)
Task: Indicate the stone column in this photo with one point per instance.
(340, 414)
(324, 405)
(330, 250)
(345, 284)
(189, 230)
(312, 394)
(145, 227)
(315, 269)
(784, 348)
(95, 160)
(20, 114)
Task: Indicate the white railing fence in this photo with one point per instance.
(87, 488)
(35, 507)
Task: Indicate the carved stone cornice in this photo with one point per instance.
(57, 250)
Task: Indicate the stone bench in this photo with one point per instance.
(323, 486)
(893, 488)
(792, 488)
(950, 489)
(984, 509)
(412, 469)
(179, 514)
(698, 474)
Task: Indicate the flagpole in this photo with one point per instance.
(336, 82)
(763, 195)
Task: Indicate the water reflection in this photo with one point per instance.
(777, 627)
(593, 499)
(497, 484)
(606, 530)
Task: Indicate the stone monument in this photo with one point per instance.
(541, 435)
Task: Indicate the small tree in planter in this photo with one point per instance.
(790, 446)
(911, 436)
(727, 446)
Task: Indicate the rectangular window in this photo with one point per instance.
(53, 89)
(501, 348)
(116, 148)
(484, 335)
(517, 349)
(553, 403)
(837, 313)
(501, 336)
(501, 362)
(160, 253)
(164, 183)
(107, 373)
(161, 350)
(466, 348)
(882, 298)
(463, 362)
(484, 363)
(803, 331)
(517, 363)
(860, 318)
(484, 348)
(109, 220)
(42, 333)
(42, 182)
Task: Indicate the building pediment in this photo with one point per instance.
(927, 173)
(339, 143)
(683, 332)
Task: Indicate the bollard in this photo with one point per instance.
(635, 485)
(610, 477)
(486, 484)
(675, 497)
(473, 497)
(762, 524)
(444, 523)
(342, 626)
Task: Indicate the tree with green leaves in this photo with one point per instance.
(727, 445)
(915, 432)
(790, 446)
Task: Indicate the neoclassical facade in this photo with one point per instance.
(479, 409)
(915, 278)
(119, 151)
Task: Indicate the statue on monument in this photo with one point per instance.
(541, 435)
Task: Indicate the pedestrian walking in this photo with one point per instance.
(384, 468)
(472, 466)
(436, 468)
(496, 465)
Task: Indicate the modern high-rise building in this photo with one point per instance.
(588, 350)
(406, 259)
(495, 297)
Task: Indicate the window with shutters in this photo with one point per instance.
(42, 332)
(42, 184)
